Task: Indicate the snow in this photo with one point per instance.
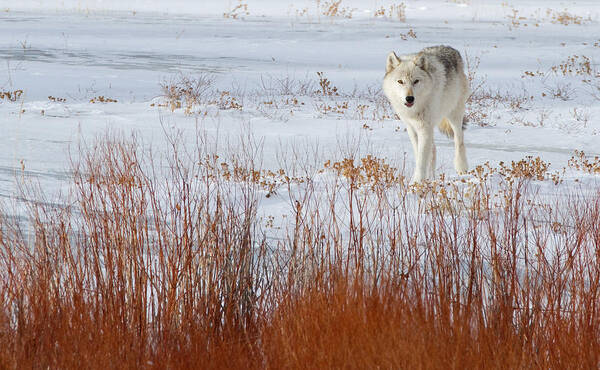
(124, 50)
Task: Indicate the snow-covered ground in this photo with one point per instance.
(124, 50)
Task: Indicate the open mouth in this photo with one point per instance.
(409, 104)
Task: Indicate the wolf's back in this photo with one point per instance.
(448, 56)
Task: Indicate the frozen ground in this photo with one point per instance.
(124, 50)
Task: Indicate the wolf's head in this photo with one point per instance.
(407, 81)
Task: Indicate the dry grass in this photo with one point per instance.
(141, 273)
(275, 97)
(582, 163)
(334, 9)
(239, 11)
(101, 99)
(162, 262)
(539, 17)
(187, 92)
(478, 109)
(394, 11)
(574, 69)
(566, 18)
(12, 96)
(57, 99)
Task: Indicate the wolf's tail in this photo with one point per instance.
(446, 128)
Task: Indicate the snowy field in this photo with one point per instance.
(534, 65)
(222, 183)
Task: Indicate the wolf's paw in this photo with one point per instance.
(417, 179)
(461, 167)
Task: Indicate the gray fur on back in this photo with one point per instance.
(448, 56)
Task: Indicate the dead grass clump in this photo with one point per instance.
(370, 171)
(226, 101)
(410, 34)
(326, 88)
(11, 96)
(337, 108)
(574, 65)
(581, 162)
(562, 91)
(516, 20)
(394, 11)
(56, 99)
(579, 66)
(272, 87)
(563, 17)
(334, 9)
(484, 102)
(238, 11)
(187, 92)
(102, 99)
(527, 168)
(566, 18)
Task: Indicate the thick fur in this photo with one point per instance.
(436, 79)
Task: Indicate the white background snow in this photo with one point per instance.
(124, 49)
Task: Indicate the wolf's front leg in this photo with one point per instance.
(412, 135)
(424, 154)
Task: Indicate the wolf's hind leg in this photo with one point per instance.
(460, 154)
(432, 164)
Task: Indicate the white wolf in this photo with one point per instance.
(429, 89)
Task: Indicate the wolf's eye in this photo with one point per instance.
(416, 82)
(401, 82)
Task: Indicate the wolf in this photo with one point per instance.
(428, 89)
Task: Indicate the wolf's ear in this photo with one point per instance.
(422, 62)
(392, 62)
